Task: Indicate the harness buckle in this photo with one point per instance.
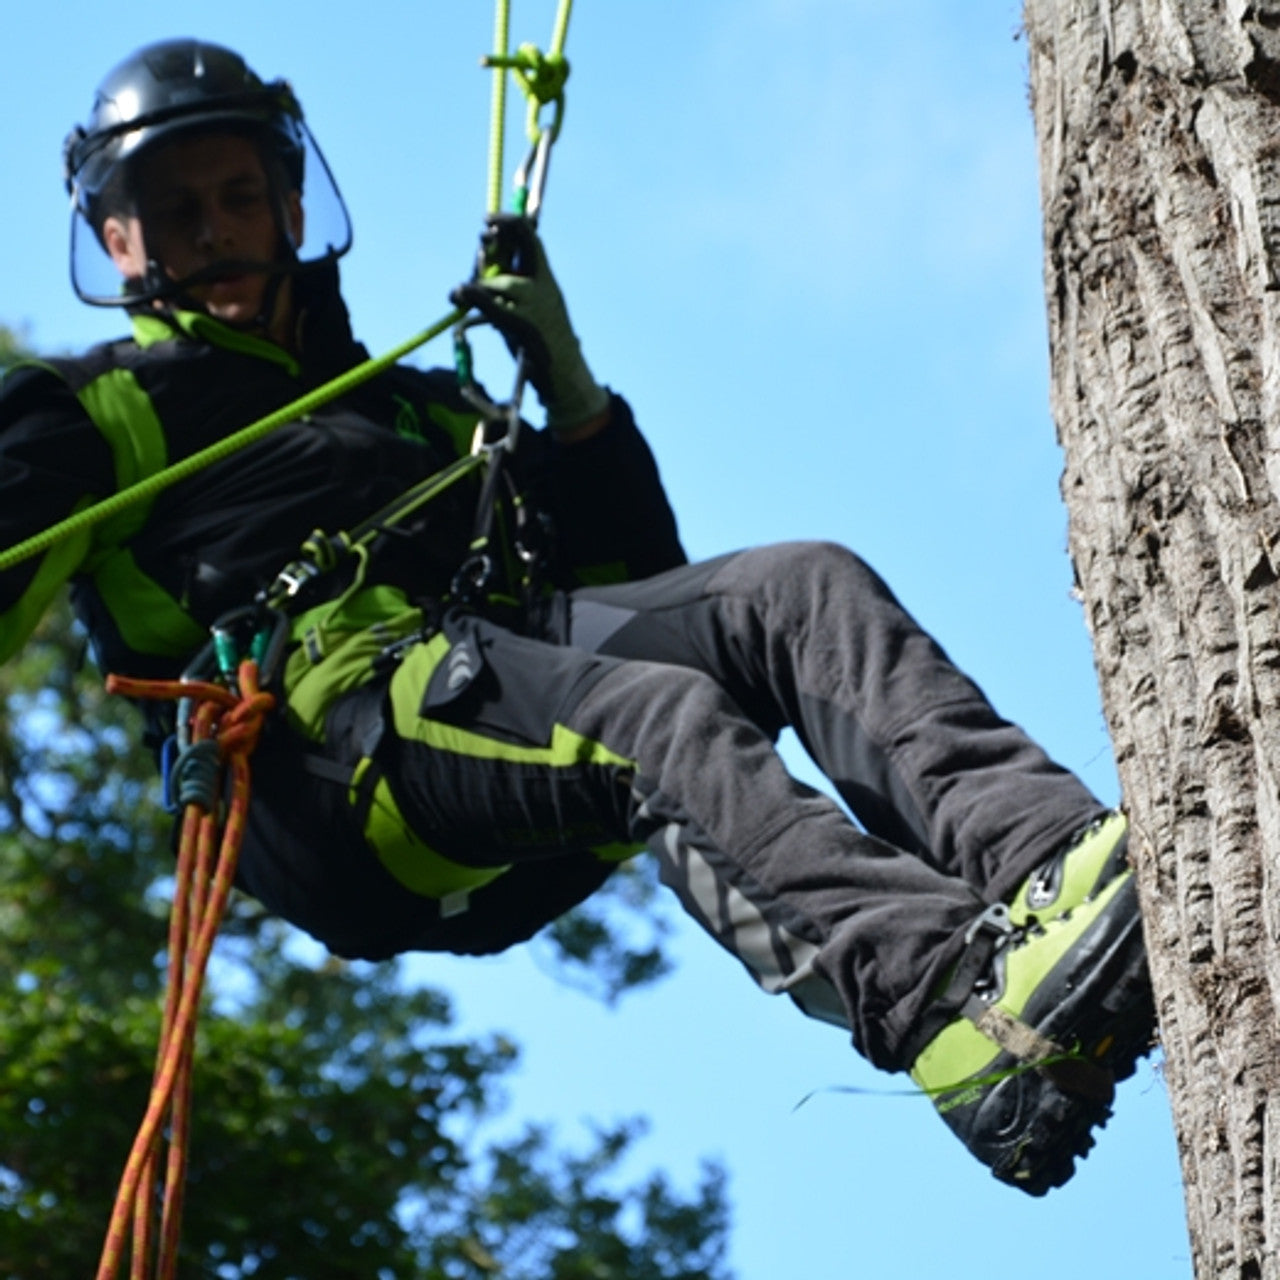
(995, 921)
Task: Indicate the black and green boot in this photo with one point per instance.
(1060, 1011)
(1076, 873)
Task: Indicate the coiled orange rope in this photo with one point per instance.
(234, 721)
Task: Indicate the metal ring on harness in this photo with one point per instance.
(473, 577)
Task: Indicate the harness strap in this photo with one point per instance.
(147, 489)
(330, 770)
(986, 934)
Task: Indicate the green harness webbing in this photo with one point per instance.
(153, 485)
(540, 85)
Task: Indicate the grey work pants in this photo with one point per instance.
(958, 806)
(685, 680)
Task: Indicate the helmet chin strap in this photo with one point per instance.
(270, 294)
(156, 286)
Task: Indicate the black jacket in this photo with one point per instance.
(149, 582)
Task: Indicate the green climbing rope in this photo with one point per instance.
(498, 102)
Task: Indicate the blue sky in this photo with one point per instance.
(802, 237)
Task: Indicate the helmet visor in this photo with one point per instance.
(322, 235)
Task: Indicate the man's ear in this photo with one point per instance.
(124, 244)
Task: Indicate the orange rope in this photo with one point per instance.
(200, 899)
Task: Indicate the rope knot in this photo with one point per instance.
(241, 727)
(326, 550)
(542, 76)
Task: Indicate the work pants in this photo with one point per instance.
(647, 713)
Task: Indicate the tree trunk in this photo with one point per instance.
(1159, 139)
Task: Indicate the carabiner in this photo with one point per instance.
(269, 644)
(490, 411)
(530, 178)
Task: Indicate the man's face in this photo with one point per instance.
(202, 201)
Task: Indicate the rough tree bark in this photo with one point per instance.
(1158, 124)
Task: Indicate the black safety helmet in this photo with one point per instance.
(179, 87)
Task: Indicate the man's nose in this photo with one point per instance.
(214, 228)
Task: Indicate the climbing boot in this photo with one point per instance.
(1059, 1012)
(1075, 874)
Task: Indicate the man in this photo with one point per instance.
(464, 756)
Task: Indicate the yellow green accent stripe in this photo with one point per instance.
(148, 618)
(414, 864)
(566, 746)
(149, 330)
(460, 426)
(123, 412)
(20, 620)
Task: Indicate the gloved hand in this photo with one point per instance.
(524, 303)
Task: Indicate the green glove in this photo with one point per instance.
(523, 302)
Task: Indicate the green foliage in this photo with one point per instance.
(340, 1130)
(13, 346)
(606, 952)
(554, 1216)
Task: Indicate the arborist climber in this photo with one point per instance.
(455, 768)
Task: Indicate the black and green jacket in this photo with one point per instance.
(149, 582)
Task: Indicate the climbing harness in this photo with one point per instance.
(223, 696)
